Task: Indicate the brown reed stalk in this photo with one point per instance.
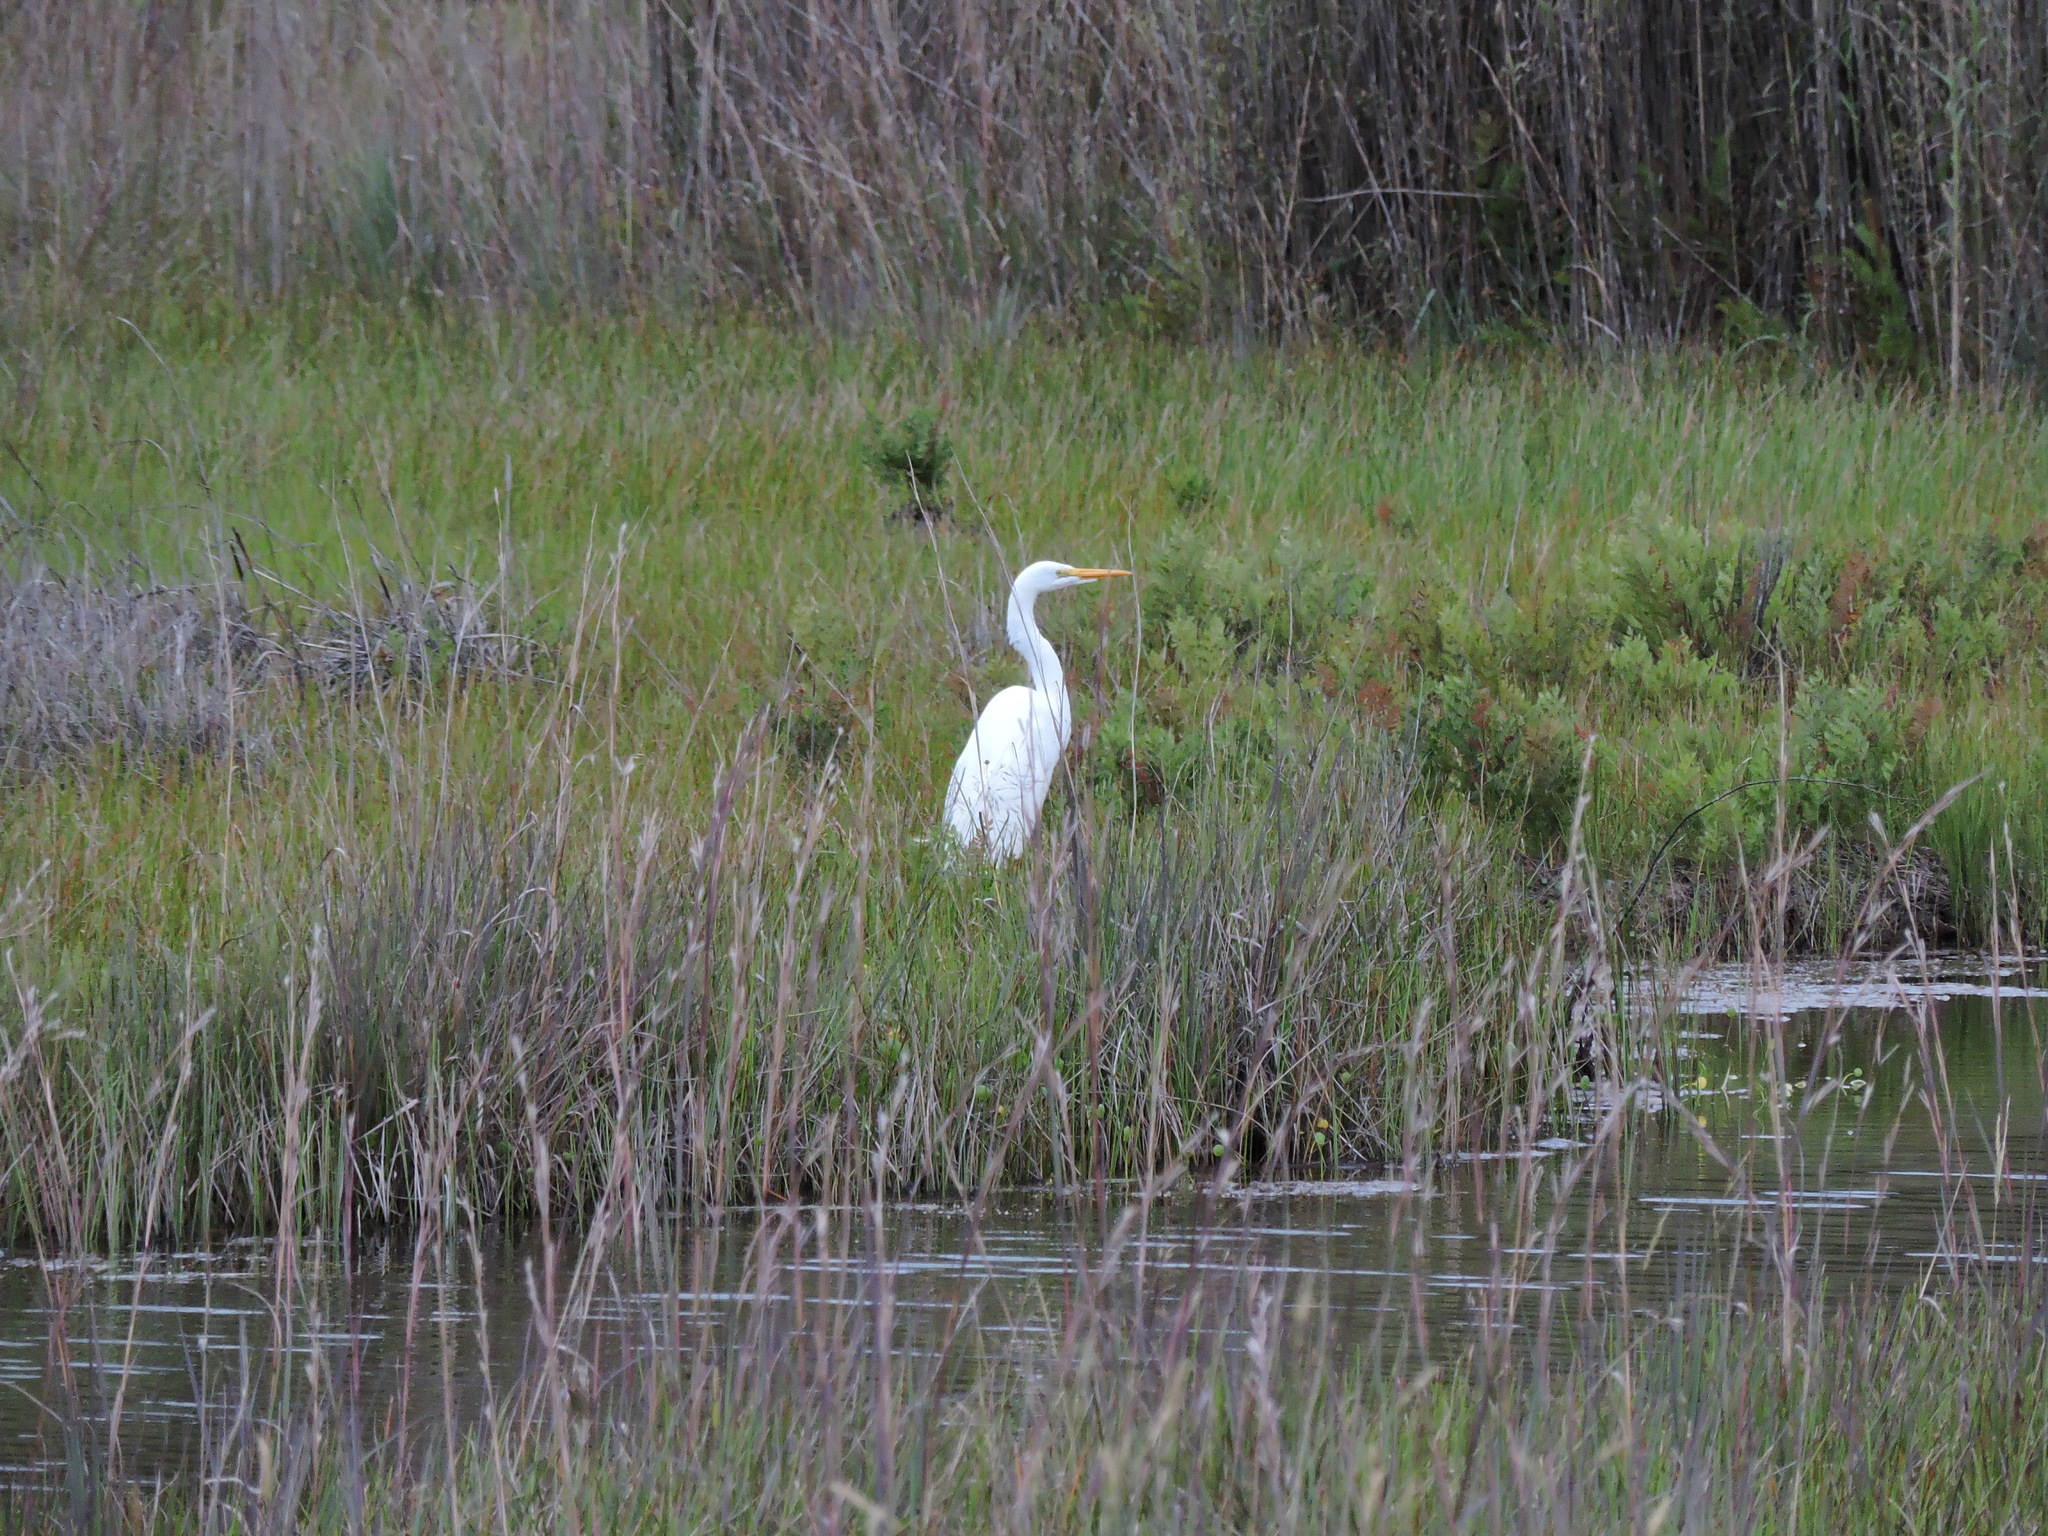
(1870, 176)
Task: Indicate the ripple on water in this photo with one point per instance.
(1811, 986)
(1655, 1222)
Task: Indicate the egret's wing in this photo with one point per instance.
(1000, 781)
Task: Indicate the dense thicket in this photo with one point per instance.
(1869, 175)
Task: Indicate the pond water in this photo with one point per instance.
(1820, 1122)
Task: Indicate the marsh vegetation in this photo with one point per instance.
(471, 781)
(382, 735)
(504, 520)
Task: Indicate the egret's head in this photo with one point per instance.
(1053, 575)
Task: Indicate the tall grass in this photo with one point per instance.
(762, 1373)
(522, 997)
(305, 806)
(466, 764)
(1883, 1413)
(725, 1006)
(1866, 179)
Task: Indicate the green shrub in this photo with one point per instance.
(1514, 754)
(1880, 315)
(1270, 609)
(1669, 680)
(913, 452)
(1715, 594)
(1188, 488)
(1247, 650)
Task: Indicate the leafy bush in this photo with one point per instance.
(1673, 666)
(1669, 680)
(1880, 316)
(1515, 754)
(913, 452)
(1850, 734)
(1243, 646)
(1139, 758)
(1670, 584)
(1260, 610)
(1190, 489)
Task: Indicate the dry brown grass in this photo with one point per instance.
(1869, 175)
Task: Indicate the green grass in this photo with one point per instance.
(317, 921)
(733, 459)
(668, 877)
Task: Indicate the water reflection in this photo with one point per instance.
(1810, 1122)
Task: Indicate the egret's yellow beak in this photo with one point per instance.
(1090, 573)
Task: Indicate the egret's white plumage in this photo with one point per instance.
(999, 783)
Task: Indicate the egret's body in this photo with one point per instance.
(1000, 781)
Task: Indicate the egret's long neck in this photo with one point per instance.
(1040, 660)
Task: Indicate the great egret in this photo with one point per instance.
(999, 783)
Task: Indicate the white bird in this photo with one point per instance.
(999, 783)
